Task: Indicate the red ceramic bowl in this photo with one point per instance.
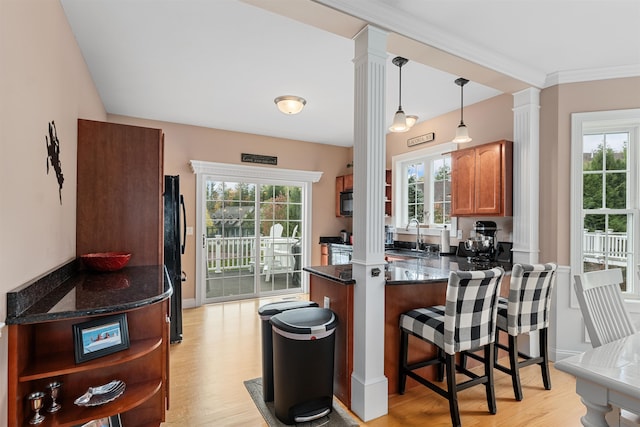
(106, 261)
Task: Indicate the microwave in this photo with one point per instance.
(346, 203)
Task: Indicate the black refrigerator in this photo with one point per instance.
(175, 235)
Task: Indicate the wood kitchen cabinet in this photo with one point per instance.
(339, 189)
(324, 254)
(345, 183)
(482, 180)
(120, 186)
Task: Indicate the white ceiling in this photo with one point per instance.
(220, 63)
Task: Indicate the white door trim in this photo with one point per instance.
(253, 173)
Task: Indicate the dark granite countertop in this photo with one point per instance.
(69, 292)
(416, 268)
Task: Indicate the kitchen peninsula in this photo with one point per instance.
(419, 280)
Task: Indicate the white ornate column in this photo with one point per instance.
(526, 172)
(526, 199)
(369, 395)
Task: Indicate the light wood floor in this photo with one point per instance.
(222, 348)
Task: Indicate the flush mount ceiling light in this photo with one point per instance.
(401, 122)
(290, 104)
(462, 133)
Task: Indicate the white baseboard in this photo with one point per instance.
(557, 354)
(189, 303)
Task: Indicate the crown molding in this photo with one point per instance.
(387, 17)
(576, 76)
(241, 171)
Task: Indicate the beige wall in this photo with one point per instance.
(557, 104)
(184, 143)
(43, 78)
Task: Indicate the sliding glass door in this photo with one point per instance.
(253, 238)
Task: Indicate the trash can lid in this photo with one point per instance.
(268, 310)
(307, 321)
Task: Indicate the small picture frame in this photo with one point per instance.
(100, 337)
(112, 421)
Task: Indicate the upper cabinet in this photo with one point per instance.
(345, 183)
(120, 185)
(482, 180)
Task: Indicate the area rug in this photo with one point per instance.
(337, 418)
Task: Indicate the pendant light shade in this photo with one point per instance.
(462, 133)
(411, 120)
(401, 122)
(290, 104)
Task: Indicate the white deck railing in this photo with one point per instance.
(598, 243)
(225, 253)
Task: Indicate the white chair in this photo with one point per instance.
(602, 306)
(606, 318)
(278, 256)
(276, 230)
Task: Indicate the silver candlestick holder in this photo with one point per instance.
(36, 400)
(54, 392)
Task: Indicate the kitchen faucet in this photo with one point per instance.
(418, 239)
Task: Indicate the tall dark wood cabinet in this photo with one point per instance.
(119, 208)
(482, 180)
(120, 186)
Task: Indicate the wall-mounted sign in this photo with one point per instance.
(421, 139)
(257, 158)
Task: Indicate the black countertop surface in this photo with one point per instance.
(81, 293)
(413, 268)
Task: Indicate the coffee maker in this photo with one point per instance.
(483, 245)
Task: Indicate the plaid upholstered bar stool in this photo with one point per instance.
(467, 321)
(525, 310)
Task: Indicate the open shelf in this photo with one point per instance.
(72, 415)
(63, 363)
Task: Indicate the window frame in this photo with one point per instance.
(606, 122)
(400, 190)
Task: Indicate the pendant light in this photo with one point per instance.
(462, 133)
(401, 122)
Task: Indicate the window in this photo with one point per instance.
(606, 194)
(423, 187)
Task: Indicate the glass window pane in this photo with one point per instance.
(592, 191)
(616, 190)
(592, 152)
(594, 222)
(616, 144)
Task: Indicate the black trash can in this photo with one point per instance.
(303, 357)
(265, 312)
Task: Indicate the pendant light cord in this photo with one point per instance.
(461, 104)
(400, 87)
